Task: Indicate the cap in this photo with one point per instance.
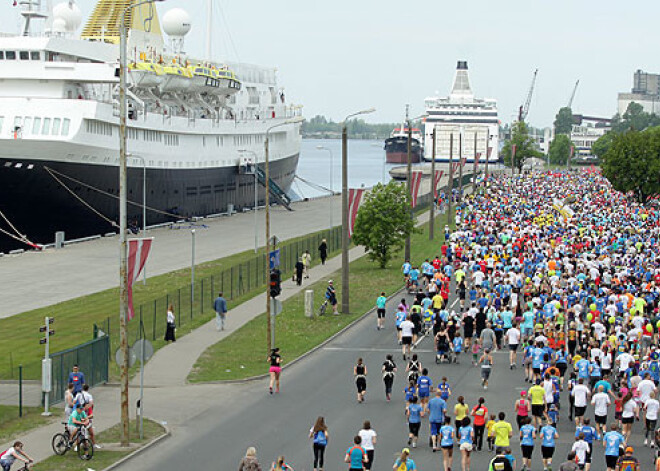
(78, 404)
(629, 449)
(330, 281)
(523, 393)
(406, 450)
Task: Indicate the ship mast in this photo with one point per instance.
(209, 25)
(31, 9)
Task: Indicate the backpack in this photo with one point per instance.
(628, 464)
(320, 438)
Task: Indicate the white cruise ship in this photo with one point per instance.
(191, 123)
(462, 115)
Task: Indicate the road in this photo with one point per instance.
(242, 415)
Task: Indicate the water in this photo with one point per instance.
(366, 165)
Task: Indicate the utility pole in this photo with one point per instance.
(487, 153)
(474, 166)
(408, 179)
(451, 175)
(433, 187)
(460, 166)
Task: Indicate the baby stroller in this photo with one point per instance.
(442, 348)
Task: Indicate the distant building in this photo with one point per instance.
(645, 91)
(587, 130)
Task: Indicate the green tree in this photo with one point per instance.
(632, 163)
(603, 144)
(525, 146)
(560, 150)
(564, 121)
(383, 222)
(635, 118)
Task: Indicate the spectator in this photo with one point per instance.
(300, 267)
(307, 261)
(12, 454)
(171, 325)
(220, 307)
(249, 461)
(323, 251)
(569, 464)
(77, 378)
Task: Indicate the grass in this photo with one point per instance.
(102, 458)
(11, 425)
(236, 357)
(74, 319)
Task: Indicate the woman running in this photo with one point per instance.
(629, 412)
(404, 461)
(413, 368)
(447, 435)
(466, 440)
(480, 413)
(486, 362)
(523, 408)
(461, 410)
(388, 370)
(360, 375)
(527, 437)
(319, 435)
(275, 370)
(368, 436)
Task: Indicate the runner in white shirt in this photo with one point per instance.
(368, 436)
(581, 395)
(645, 388)
(651, 409)
(513, 339)
(601, 401)
(407, 328)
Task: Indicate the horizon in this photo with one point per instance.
(377, 57)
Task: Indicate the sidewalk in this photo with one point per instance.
(166, 390)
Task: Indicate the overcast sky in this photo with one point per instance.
(337, 57)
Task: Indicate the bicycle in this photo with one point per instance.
(62, 443)
(323, 307)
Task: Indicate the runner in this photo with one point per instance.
(414, 412)
(369, 437)
(480, 413)
(527, 437)
(381, 302)
(356, 457)
(466, 443)
(613, 441)
(275, 370)
(389, 371)
(404, 462)
(407, 329)
(523, 409)
(548, 436)
(486, 362)
(360, 375)
(447, 435)
(437, 409)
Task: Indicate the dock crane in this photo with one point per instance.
(524, 109)
(570, 102)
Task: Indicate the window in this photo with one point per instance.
(25, 55)
(2, 55)
(2, 118)
(56, 126)
(27, 124)
(10, 55)
(65, 126)
(37, 126)
(45, 130)
(35, 55)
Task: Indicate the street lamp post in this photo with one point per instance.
(344, 210)
(451, 176)
(331, 178)
(192, 269)
(474, 166)
(487, 154)
(123, 246)
(144, 208)
(256, 196)
(270, 319)
(433, 187)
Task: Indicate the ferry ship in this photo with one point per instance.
(193, 124)
(473, 123)
(396, 146)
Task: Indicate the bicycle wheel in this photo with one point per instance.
(60, 444)
(322, 308)
(85, 449)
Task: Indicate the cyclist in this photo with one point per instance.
(331, 297)
(77, 419)
(12, 454)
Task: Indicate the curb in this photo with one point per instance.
(145, 447)
(304, 355)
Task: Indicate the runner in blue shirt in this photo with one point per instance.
(548, 436)
(527, 436)
(381, 301)
(424, 385)
(356, 456)
(613, 442)
(447, 435)
(466, 441)
(583, 368)
(437, 408)
(415, 412)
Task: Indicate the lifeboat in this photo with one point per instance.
(145, 74)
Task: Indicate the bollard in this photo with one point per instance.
(309, 303)
(20, 389)
(59, 239)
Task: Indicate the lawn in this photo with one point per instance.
(236, 357)
(102, 458)
(74, 319)
(11, 425)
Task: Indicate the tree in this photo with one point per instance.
(632, 163)
(383, 222)
(635, 118)
(525, 146)
(603, 144)
(564, 121)
(560, 150)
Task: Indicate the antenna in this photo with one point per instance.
(209, 30)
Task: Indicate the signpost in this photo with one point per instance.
(46, 363)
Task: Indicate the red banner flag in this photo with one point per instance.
(416, 180)
(138, 251)
(436, 182)
(354, 200)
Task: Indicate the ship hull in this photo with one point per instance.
(85, 202)
(396, 150)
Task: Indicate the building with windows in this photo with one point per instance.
(645, 91)
(587, 130)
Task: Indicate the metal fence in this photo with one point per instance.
(93, 359)
(236, 281)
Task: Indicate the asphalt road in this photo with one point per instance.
(216, 437)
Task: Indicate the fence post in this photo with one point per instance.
(154, 326)
(179, 309)
(231, 283)
(192, 295)
(201, 310)
(20, 389)
(212, 286)
(248, 275)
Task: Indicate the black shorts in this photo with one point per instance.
(627, 420)
(601, 419)
(537, 371)
(538, 410)
(406, 340)
(547, 452)
(513, 347)
(611, 460)
(579, 411)
(527, 451)
(381, 313)
(414, 428)
(587, 459)
(562, 368)
(361, 384)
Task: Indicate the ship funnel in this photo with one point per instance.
(462, 65)
(461, 89)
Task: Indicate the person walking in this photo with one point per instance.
(404, 462)
(220, 308)
(323, 251)
(360, 375)
(480, 413)
(170, 329)
(307, 262)
(388, 370)
(319, 435)
(299, 269)
(275, 369)
(77, 378)
(250, 461)
(369, 437)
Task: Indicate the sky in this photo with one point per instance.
(338, 57)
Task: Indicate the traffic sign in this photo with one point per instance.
(42, 328)
(51, 332)
(274, 259)
(43, 341)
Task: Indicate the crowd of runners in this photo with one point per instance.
(563, 273)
